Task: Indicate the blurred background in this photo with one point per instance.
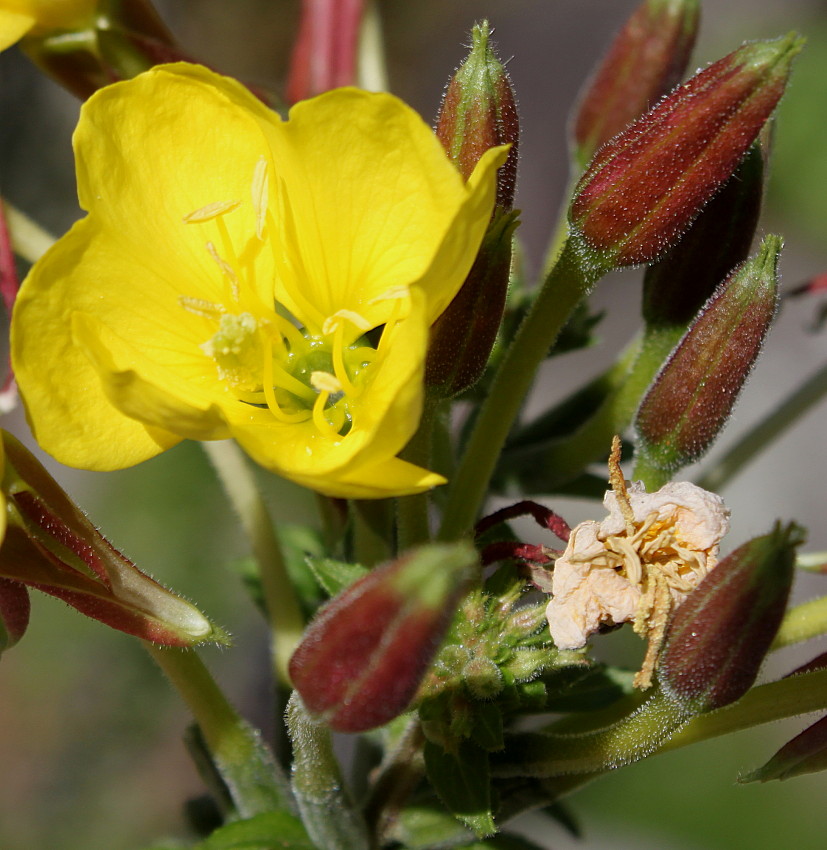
(90, 733)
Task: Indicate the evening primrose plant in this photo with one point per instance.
(334, 293)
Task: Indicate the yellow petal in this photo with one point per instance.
(13, 26)
(154, 150)
(366, 197)
(70, 415)
(151, 393)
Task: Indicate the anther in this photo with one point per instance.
(211, 211)
(225, 267)
(260, 195)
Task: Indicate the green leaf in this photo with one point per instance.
(487, 728)
(462, 781)
(268, 831)
(334, 576)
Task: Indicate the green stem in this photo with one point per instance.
(789, 697)
(761, 435)
(28, 239)
(803, 622)
(329, 815)
(653, 477)
(285, 616)
(568, 282)
(412, 522)
(253, 779)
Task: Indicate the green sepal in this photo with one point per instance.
(462, 781)
(334, 576)
(487, 728)
(267, 831)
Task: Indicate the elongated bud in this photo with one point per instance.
(326, 49)
(677, 286)
(364, 655)
(51, 546)
(692, 396)
(14, 612)
(463, 336)
(478, 112)
(646, 186)
(806, 753)
(646, 59)
(719, 636)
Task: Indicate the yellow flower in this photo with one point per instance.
(19, 17)
(242, 276)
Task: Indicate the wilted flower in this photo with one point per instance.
(243, 276)
(636, 564)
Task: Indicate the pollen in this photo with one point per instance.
(324, 382)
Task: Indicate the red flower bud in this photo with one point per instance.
(646, 59)
(51, 546)
(14, 612)
(647, 185)
(325, 52)
(719, 636)
(694, 392)
(479, 112)
(806, 753)
(363, 656)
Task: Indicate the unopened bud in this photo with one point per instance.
(363, 656)
(676, 287)
(646, 59)
(719, 636)
(646, 186)
(806, 753)
(479, 112)
(14, 612)
(693, 395)
(51, 546)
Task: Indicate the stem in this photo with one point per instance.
(790, 697)
(327, 812)
(285, 616)
(254, 781)
(757, 438)
(412, 522)
(398, 777)
(568, 282)
(29, 240)
(803, 622)
(372, 68)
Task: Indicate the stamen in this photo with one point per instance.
(332, 323)
(618, 483)
(260, 195)
(270, 393)
(391, 294)
(319, 419)
(201, 307)
(211, 211)
(226, 269)
(324, 382)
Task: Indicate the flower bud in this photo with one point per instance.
(719, 636)
(364, 654)
(646, 59)
(806, 753)
(646, 186)
(693, 394)
(14, 612)
(325, 53)
(676, 287)
(478, 112)
(51, 546)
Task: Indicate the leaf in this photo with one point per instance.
(806, 753)
(268, 831)
(334, 576)
(462, 781)
(487, 728)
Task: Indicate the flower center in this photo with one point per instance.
(272, 360)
